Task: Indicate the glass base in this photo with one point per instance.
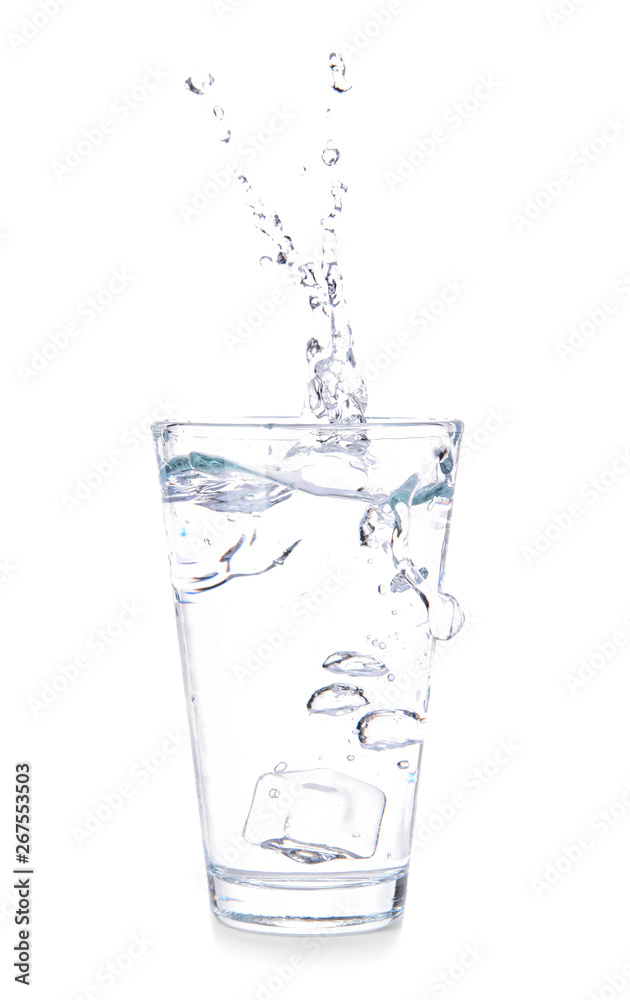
(348, 904)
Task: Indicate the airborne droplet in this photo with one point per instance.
(331, 154)
(338, 67)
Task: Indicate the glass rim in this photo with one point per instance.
(429, 425)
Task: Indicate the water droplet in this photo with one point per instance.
(281, 766)
(218, 112)
(312, 348)
(338, 67)
(274, 793)
(391, 677)
(354, 664)
(403, 764)
(331, 154)
(390, 729)
(336, 699)
(382, 589)
(197, 90)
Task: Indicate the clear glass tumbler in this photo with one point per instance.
(307, 564)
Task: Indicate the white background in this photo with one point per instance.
(485, 878)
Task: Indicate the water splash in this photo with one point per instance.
(335, 391)
(335, 394)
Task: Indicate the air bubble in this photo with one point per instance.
(274, 793)
(354, 664)
(385, 730)
(281, 766)
(350, 756)
(445, 616)
(403, 765)
(336, 699)
(391, 677)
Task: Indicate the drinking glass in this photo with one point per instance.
(307, 563)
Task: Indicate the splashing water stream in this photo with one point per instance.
(317, 464)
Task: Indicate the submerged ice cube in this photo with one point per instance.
(336, 699)
(390, 729)
(319, 815)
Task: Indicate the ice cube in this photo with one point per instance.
(316, 817)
